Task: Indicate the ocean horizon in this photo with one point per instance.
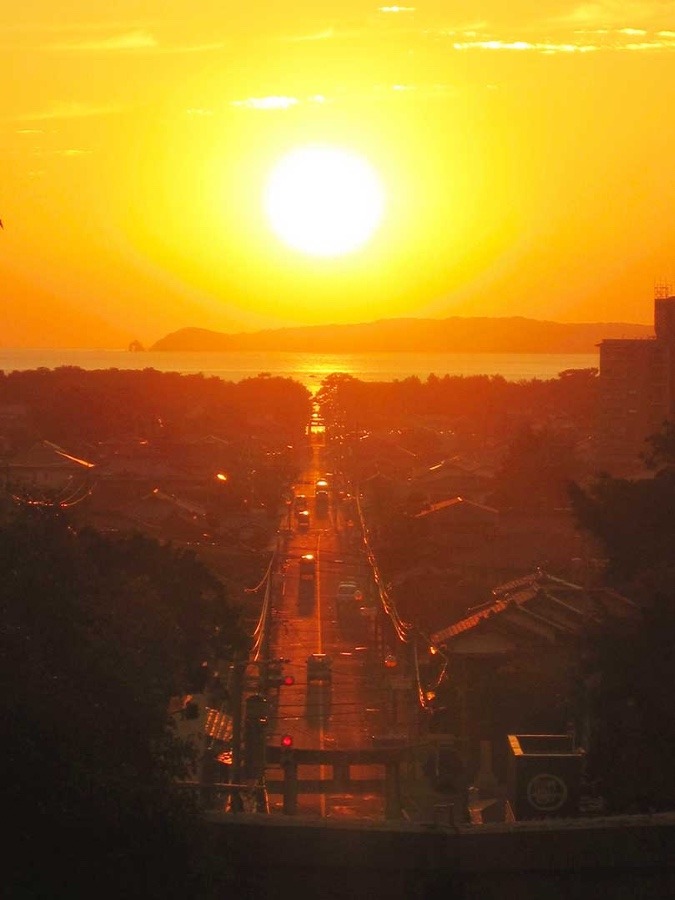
(306, 367)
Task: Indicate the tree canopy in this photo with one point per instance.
(629, 666)
(98, 633)
(632, 520)
(476, 408)
(72, 404)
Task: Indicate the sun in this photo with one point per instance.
(324, 201)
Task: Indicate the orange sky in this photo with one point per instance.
(525, 150)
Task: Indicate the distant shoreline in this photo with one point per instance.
(454, 335)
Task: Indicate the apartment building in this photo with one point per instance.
(636, 392)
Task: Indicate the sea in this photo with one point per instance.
(307, 368)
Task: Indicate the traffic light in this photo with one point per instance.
(280, 681)
(286, 756)
(254, 748)
(256, 709)
(273, 671)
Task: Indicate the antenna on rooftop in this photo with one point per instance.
(662, 290)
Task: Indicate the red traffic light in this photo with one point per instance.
(281, 681)
(287, 741)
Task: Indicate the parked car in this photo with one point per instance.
(300, 503)
(347, 591)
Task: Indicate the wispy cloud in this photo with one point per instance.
(578, 40)
(194, 48)
(130, 40)
(276, 102)
(380, 92)
(649, 46)
(72, 110)
(616, 13)
(32, 27)
(652, 45)
(267, 102)
(326, 34)
(137, 41)
(539, 47)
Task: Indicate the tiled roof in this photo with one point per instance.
(468, 623)
(454, 466)
(457, 502)
(542, 603)
(45, 454)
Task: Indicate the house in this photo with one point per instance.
(450, 478)
(169, 517)
(479, 540)
(513, 663)
(381, 494)
(371, 453)
(457, 522)
(539, 605)
(48, 472)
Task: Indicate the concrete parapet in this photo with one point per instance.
(624, 857)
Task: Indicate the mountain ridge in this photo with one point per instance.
(515, 334)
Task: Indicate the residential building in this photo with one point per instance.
(636, 392)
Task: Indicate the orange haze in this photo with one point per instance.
(525, 150)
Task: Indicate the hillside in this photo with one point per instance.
(453, 335)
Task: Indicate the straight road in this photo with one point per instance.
(345, 713)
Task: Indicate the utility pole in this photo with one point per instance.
(238, 675)
(249, 721)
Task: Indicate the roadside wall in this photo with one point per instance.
(627, 857)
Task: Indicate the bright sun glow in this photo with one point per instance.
(324, 201)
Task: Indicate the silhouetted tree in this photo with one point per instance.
(536, 471)
(661, 452)
(630, 665)
(69, 403)
(97, 634)
(630, 669)
(477, 409)
(632, 520)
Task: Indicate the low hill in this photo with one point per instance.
(453, 335)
